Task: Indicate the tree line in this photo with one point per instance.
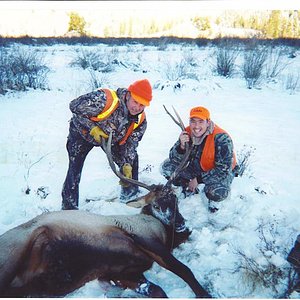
(267, 24)
(270, 24)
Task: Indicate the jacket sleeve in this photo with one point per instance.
(176, 153)
(88, 105)
(128, 151)
(223, 159)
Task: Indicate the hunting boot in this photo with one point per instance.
(128, 193)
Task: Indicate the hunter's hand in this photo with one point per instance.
(193, 184)
(184, 138)
(127, 172)
(96, 132)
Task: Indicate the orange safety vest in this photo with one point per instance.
(207, 160)
(112, 103)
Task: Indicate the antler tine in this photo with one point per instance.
(179, 123)
(107, 150)
(179, 119)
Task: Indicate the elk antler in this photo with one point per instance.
(107, 150)
(179, 122)
(185, 157)
(181, 166)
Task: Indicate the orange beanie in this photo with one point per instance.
(200, 113)
(141, 91)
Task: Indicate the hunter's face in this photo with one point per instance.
(198, 126)
(134, 107)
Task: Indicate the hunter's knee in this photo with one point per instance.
(216, 193)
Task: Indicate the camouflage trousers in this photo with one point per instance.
(215, 188)
(294, 258)
(78, 149)
(294, 255)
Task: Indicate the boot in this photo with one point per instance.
(128, 193)
(213, 206)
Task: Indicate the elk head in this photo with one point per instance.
(161, 201)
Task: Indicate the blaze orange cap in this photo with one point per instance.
(141, 91)
(200, 113)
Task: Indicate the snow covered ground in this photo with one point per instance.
(259, 222)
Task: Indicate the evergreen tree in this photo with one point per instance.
(107, 31)
(274, 24)
(153, 27)
(77, 23)
(294, 18)
(202, 23)
(122, 29)
(239, 22)
(130, 28)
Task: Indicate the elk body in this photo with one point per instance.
(58, 252)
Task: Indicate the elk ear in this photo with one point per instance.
(142, 201)
(137, 203)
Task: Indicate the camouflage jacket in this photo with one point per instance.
(91, 105)
(223, 160)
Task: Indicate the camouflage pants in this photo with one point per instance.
(78, 149)
(215, 189)
(294, 255)
(294, 258)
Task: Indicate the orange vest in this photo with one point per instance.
(207, 160)
(112, 103)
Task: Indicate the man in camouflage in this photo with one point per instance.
(211, 161)
(95, 115)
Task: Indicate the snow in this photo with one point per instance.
(34, 128)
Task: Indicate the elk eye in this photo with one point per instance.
(155, 206)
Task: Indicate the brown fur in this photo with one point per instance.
(58, 252)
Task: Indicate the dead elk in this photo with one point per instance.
(58, 252)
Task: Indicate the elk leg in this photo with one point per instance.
(165, 259)
(142, 286)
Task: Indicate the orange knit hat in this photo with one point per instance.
(141, 91)
(200, 113)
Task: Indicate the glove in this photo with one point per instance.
(127, 172)
(96, 132)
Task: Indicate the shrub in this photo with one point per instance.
(292, 82)
(21, 69)
(97, 79)
(276, 62)
(3, 71)
(254, 61)
(225, 62)
(174, 71)
(95, 60)
(28, 164)
(267, 268)
(243, 160)
(226, 54)
(86, 59)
